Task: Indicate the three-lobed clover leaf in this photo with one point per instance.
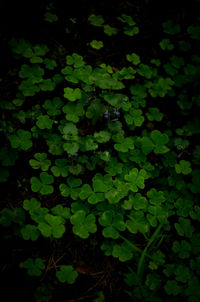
(183, 167)
(156, 197)
(34, 266)
(124, 144)
(154, 114)
(74, 111)
(172, 288)
(67, 274)
(137, 223)
(157, 143)
(21, 140)
(133, 58)
(112, 223)
(136, 179)
(59, 210)
(170, 28)
(53, 106)
(83, 224)
(166, 44)
(75, 60)
(40, 162)
(72, 94)
(30, 232)
(42, 185)
(109, 30)
(32, 72)
(184, 227)
(96, 20)
(44, 122)
(60, 168)
(134, 117)
(123, 252)
(50, 63)
(52, 226)
(182, 248)
(102, 136)
(96, 44)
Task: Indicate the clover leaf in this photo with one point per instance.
(96, 44)
(21, 140)
(133, 58)
(134, 117)
(154, 114)
(172, 288)
(67, 274)
(40, 162)
(30, 231)
(170, 28)
(131, 30)
(52, 226)
(43, 184)
(86, 191)
(109, 30)
(60, 168)
(156, 197)
(139, 202)
(194, 32)
(83, 224)
(72, 94)
(50, 63)
(102, 136)
(8, 216)
(112, 223)
(75, 60)
(47, 85)
(34, 266)
(124, 145)
(96, 20)
(53, 106)
(32, 72)
(50, 17)
(184, 227)
(182, 248)
(74, 111)
(59, 210)
(55, 144)
(136, 179)
(44, 122)
(183, 167)
(137, 222)
(156, 142)
(166, 44)
(123, 252)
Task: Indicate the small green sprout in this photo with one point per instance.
(96, 44)
(67, 274)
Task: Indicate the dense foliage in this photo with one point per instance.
(113, 158)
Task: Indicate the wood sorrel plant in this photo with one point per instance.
(109, 158)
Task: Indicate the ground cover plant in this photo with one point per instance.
(108, 158)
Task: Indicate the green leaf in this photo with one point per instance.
(43, 184)
(133, 58)
(67, 274)
(156, 197)
(83, 224)
(136, 179)
(96, 44)
(109, 30)
(123, 252)
(34, 266)
(184, 227)
(96, 20)
(113, 223)
(183, 167)
(60, 168)
(170, 28)
(172, 288)
(72, 94)
(166, 44)
(126, 19)
(21, 140)
(154, 114)
(40, 162)
(44, 122)
(30, 232)
(50, 63)
(47, 85)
